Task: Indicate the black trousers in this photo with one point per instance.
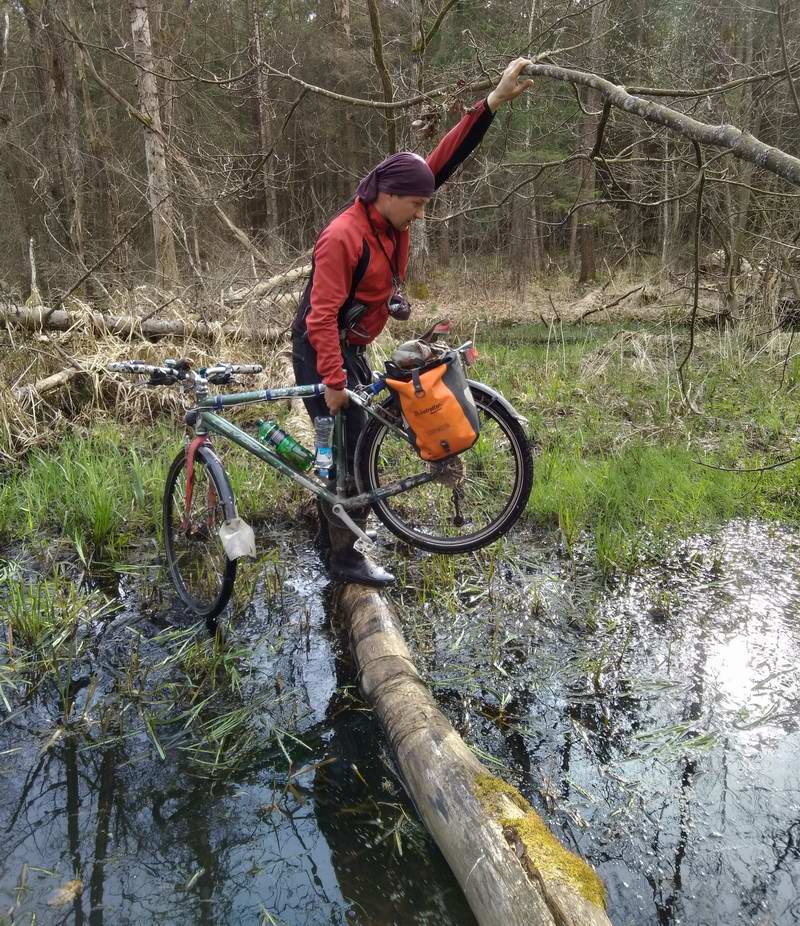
(304, 361)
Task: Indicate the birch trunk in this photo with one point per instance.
(159, 184)
(512, 870)
(265, 133)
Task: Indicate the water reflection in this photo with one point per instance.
(113, 834)
(656, 724)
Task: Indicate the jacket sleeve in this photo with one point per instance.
(459, 142)
(335, 259)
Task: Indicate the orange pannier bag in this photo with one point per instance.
(438, 409)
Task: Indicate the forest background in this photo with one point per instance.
(189, 144)
(168, 166)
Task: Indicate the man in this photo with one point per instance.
(359, 263)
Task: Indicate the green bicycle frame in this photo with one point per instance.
(209, 422)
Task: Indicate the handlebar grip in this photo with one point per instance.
(132, 366)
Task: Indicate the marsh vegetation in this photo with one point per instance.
(618, 656)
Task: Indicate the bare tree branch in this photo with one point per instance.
(741, 144)
(425, 39)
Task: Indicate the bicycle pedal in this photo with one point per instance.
(364, 547)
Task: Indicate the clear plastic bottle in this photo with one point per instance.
(323, 446)
(285, 445)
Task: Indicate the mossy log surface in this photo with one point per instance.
(512, 869)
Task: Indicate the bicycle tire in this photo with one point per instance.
(202, 574)
(383, 457)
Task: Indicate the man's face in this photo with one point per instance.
(401, 211)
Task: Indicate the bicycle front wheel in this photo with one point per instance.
(202, 574)
(475, 496)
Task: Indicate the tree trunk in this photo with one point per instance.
(530, 220)
(665, 212)
(264, 119)
(61, 131)
(445, 205)
(5, 28)
(512, 870)
(383, 72)
(589, 127)
(419, 247)
(127, 326)
(159, 184)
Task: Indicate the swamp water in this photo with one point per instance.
(654, 725)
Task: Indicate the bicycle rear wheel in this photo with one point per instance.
(477, 495)
(202, 574)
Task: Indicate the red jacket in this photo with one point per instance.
(349, 242)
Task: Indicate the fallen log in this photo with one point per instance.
(49, 384)
(513, 871)
(259, 290)
(36, 318)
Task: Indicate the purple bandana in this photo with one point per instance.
(404, 174)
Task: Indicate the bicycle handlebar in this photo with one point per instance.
(139, 366)
(175, 370)
(243, 367)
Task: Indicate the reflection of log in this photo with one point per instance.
(126, 325)
(512, 870)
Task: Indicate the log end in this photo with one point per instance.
(569, 883)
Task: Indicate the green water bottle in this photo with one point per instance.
(285, 445)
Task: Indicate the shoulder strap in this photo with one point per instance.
(358, 275)
(304, 307)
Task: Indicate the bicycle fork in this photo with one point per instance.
(211, 500)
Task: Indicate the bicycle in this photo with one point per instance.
(455, 505)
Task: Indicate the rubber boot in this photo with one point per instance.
(346, 564)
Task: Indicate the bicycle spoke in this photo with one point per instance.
(470, 492)
(199, 565)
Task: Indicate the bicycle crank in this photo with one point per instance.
(363, 544)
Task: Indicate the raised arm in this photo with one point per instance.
(462, 140)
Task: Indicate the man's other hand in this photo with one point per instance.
(335, 399)
(510, 85)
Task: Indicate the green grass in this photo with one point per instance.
(636, 500)
(617, 450)
(99, 491)
(92, 490)
(619, 454)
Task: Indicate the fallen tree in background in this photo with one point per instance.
(512, 869)
(40, 317)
